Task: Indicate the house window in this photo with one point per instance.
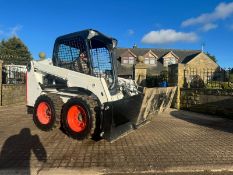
(171, 61)
(152, 60)
(125, 60)
(131, 60)
(128, 60)
(149, 61)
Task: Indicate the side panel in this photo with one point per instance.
(75, 79)
(33, 88)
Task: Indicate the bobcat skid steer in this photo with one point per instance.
(79, 90)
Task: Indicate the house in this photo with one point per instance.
(158, 60)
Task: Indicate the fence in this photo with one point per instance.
(14, 74)
(12, 86)
(208, 78)
(190, 78)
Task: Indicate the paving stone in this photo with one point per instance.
(173, 139)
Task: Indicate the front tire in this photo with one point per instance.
(44, 115)
(79, 117)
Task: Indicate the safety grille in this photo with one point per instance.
(101, 61)
(72, 55)
(102, 64)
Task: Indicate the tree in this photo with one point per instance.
(231, 70)
(212, 57)
(14, 51)
(164, 75)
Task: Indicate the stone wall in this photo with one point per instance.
(210, 101)
(140, 72)
(176, 78)
(202, 61)
(13, 94)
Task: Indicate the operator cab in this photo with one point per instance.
(88, 52)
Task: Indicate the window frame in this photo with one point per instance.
(131, 60)
(125, 60)
(169, 61)
(152, 59)
(148, 61)
(128, 60)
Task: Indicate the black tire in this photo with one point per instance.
(88, 105)
(55, 105)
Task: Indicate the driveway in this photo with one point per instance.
(175, 142)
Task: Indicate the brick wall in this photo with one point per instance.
(210, 101)
(13, 94)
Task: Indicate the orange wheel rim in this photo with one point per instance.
(44, 113)
(77, 118)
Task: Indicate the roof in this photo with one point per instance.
(184, 57)
(89, 34)
(189, 58)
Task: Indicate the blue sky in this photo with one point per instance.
(177, 24)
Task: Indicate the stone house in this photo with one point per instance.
(157, 60)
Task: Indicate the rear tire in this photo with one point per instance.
(79, 117)
(47, 110)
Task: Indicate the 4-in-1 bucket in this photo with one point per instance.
(122, 116)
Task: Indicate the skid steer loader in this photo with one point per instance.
(79, 90)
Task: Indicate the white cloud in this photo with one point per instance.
(14, 30)
(208, 27)
(222, 11)
(131, 32)
(168, 36)
(11, 31)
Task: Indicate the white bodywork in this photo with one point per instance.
(95, 85)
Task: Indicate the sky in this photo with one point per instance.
(180, 24)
